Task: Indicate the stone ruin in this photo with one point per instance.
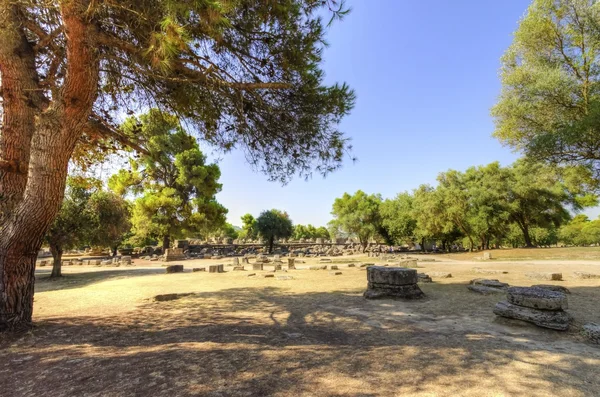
(392, 283)
(540, 306)
(174, 254)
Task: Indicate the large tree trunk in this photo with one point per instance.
(43, 151)
(166, 243)
(57, 253)
(526, 236)
(271, 241)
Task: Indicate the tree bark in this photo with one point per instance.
(526, 236)
(57, 253)
(166, 243)
(36, 194)
(271, 240)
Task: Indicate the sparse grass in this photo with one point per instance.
(315, 335)
(525, 254)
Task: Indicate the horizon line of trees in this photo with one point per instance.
(524, 204)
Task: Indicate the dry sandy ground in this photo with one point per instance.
(100, 333)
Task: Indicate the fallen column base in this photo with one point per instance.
(386, 291)
(558, 320)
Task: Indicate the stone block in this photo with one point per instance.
(585, 275)
(544, 276)
(488, 271)
(391, 275)
(537, 298)
(489, 283)
(558, 320)
(556, 288)
(257, 266)
(215, 269)
(483, 290)
(198, 269)
(174, 269)
(411, 291)
(424, 278)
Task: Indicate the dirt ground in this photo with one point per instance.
(99, 332)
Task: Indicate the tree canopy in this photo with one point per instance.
(358, 215)
(550, 101)
(240, 74)
(273, 224)
(175, 187)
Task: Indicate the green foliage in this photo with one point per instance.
(249, 230)
(357, 215)
(397, 218)
(174, 186)
(580, 231)
(310, 232)
(75, 220)
(550, 101)
(111, 219)
(88, 216)
(522, 204)
(241, 74)
(228, 230)
(273, 224)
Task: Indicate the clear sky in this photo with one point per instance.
(426, 76)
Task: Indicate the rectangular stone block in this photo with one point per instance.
(391, 275)
(545, 276)
(174, 269)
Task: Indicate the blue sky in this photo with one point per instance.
(425, 75)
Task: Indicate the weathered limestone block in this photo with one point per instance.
(489, 283)
(392, 282)
(440, 274)
(235, 262)
(174, 254)
(257, 266)
(334, 267)
(592, 331)
(198, 269)
(488, 271)
(335, 273)
(391, 275)
(558, 320)
(277, 267)
(174, 269)
(238, 268)
(269, 275)
(545, 276)
(215, 269)
(537, 298)
(585, 275)
(487, 256)
(351, 265)
(43, 263)
(106, 263)
(556, 288)
(291, 263)
(424, 278)
(410, 291)
(480, 289)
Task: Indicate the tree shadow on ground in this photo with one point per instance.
(267, 341)
(44, 283)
